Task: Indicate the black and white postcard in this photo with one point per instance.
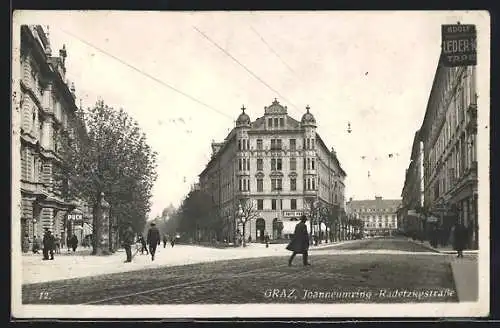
(262, 164)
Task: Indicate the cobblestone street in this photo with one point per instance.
(341, 278)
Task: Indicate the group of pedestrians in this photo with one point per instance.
(148, 245)
(52, 245)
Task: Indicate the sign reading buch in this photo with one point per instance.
(458, 45)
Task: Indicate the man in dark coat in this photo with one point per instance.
(49, 244)
(73, 242)
(153, 239)
(128, 241)
(459, 239)
(165, 239)
(144, 246)
(300, 242)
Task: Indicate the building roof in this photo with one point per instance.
(377, 204)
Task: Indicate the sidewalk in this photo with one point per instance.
(466, 275)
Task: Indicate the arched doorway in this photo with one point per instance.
(277, 228)
(260, 228)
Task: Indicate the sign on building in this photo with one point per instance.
(458, 45)
(292, 214)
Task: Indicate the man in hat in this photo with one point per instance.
(300, 242)
(49, 243)
(128, 241)
(153, 240)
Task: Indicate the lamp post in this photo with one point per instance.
(239, 214)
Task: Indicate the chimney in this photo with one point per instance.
(378, 198)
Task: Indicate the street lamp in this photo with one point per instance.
(239, 214)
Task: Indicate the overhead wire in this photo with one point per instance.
(123, 62)
(243, 66)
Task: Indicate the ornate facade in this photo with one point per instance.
(47, 107)
(278, 163)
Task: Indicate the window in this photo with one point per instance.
(281, 204)
(293, 144)
(279, 165)
(308, 143)
(260, 185)
(293, 204)
(244, 184)
(240, 166)
(282, 122)
(260, 164)
(276, 123)
(259, 144)
(293, 184)
(312, 143)
(260, 204)
(312, 163)
(293, 164)
(276, 184)
(308, 184)
(273, 164)
(313, 184)
(304, 165)
(240, 185)
(275, 144)
(308, 163)
(239, 144)
(270, 122)
(248, 164)
(273, 204)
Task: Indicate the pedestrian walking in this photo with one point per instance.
(128, 241)
(153, 239)
(459, 239)
(49, 244)
(165, 239)
(57, 242)
(266, 240)
(300, 242)
(36, 245)
(144, 246)
(73, 242)
(68, 243)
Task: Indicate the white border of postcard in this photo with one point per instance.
(475, 309)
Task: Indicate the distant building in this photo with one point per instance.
(279, 164)
(47, 107)
(378, 215)
(449, 153)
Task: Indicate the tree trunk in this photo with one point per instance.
(244, 230)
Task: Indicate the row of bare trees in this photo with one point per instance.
(336, 221)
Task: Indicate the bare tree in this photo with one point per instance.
(246, 211)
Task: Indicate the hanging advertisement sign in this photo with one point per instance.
(458, 46)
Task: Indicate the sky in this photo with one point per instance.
(373, 70)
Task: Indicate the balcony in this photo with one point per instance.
(472, 119)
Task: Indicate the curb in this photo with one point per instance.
(442, 251)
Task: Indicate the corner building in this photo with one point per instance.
(278, 163)
(47, 107)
